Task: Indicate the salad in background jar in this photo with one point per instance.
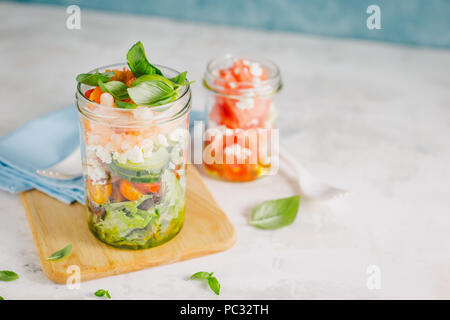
(134, 122)
(241, 114)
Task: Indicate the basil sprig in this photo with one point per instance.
(138, 63)
(102, 293)
(125, 105)
(117, 89)
(149, 93)
(7, 275)
(91, 79)
(213, 283)
(180, 79)
(58, 255)
(274, 214)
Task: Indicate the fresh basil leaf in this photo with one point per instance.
(180, 78)
(138, 63)
(91, 79)
(102, 293)
(202, 275)
(1, 298)
(214, 285)
(274, 214)
(152, 77)
(6, 275)
(150, 92)
(125, 105)
(117, 89)
(58, 255)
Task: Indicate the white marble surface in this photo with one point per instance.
(370, 117)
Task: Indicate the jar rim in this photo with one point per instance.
(267, 87)
(92, 115)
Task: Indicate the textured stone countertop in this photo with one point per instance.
(371, 117)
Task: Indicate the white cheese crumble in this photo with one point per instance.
(255, 69)
(147, 148)
(143, 113)
(177, 135)
(135, 155)
(120, 157)
(245, 104)
(104, 154)
(162, 140)
(238, 151)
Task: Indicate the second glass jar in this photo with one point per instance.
(241, 113)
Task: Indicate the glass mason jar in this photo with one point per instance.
(134, 168)
(241, 114)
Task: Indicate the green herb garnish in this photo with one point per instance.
(274, 214)
(125, 105)
(150, 92)
(138, 63)
(117, 89)
(6, 275)
(180, 79)
(58, 255)
(91, 79)
(1, 298)
(102, 293)
(150, 88)
(212, 281)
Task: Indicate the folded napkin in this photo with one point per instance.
(41, 144)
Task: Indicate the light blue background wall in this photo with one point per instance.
(413, 22)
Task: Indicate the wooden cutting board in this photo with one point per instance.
(54, 225)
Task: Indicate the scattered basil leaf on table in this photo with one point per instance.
(125, 105)
(274, 214)
(150, 92)
(138, 63)
(102, 293)
(6, 275)
(117, 89)
(1, 298)
(91, 79)
(213, 283)
(58, 255)
(202, 275)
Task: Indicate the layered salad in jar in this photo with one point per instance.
(241, 114)
(134, 121)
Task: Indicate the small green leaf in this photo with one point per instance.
(58, 255)
(152, 77)
(117, 89)
(6, 275)
(138, 63)
(102, 293)
(91, 79)
(202, 275)
(180, 78)
(150, 92)
(214, 285)
(125, 105)
(1, 298)
(274, 214)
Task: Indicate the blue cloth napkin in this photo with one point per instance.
(41, 144)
